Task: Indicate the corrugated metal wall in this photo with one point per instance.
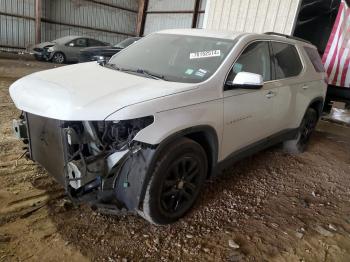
(163, 20)
(17, 26)
(79, 17)
(253, 15)
(107, 20)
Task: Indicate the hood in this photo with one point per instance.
(42, 45)
(86, 91)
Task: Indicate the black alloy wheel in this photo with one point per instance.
(182, 183)
(307, 127)
(177, 179)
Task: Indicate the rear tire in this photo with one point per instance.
(58, 58)
(177, 179)
(308, 125)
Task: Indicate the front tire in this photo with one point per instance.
(308, 125)
(176, 181)
(58, 58)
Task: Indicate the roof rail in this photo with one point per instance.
(288, 36)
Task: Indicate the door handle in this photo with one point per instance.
(305, 87)
(270, 94)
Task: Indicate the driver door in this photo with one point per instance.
(248, 112)
(74, 48)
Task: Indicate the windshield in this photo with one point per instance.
(178, 58)
(125, 43)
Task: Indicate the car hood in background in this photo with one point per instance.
(42, 45)
(100, 48)
(86, 92)
(87, 54)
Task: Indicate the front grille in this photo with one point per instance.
(38, 49)
(46, 145)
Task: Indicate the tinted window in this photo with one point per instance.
(80, 42)
(287, 60)
(93, 42)
(254, 59)
(315, 59)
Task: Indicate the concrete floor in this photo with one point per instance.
(339, 115)
(275, 206)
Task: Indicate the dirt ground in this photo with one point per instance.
(274, 206)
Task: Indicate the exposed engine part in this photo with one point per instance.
(95, 148)
(72, 136)
(90, 129)
(102, 164)
(80, 173)
(113, 159)
(20, 128)
(117, 134)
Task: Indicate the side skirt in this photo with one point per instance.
(257, 147)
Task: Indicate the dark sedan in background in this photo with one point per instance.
(64, 49)
(104, 53)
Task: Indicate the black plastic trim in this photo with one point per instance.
(289, 37)
(257, 147)
(315, 100)
(247, 86)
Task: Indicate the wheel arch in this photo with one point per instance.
(317, 104)
(204, 135)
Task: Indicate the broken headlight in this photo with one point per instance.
(116, 135)
(91, 143)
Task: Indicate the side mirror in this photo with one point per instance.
(245, 80)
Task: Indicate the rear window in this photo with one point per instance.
(287, 60)
(315, 59)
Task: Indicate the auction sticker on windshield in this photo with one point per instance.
(205, 54)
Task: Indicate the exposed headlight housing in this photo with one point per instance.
(118, 134)
(95, 147)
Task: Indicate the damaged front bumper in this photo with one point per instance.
(97, 162)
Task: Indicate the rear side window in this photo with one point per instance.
(80, 42)
(315, 59)
(93, 42)
(287, 60)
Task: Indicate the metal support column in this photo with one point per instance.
(141, 17)
(37, 21)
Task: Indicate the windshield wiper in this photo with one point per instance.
(137, 71)
(151, 74)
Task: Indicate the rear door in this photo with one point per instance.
(247, 113)
(291, 86)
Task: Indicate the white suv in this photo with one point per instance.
(144, 131)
